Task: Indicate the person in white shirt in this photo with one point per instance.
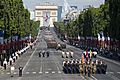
(11, 60)
(71, 54)
(67, 54)
(63, 54)
(5, 64)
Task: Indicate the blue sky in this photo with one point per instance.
(30, 4)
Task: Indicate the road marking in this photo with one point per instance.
(49, 69)
(34, 72)
(58, 68)
(83, 77)
(15, 73)
(40, 72)
(29, 59)
(59, 71)
(27, 72)
(27, 62)
(109, 72)
(2, 73)
(53, 72)
(93, 77)
(113, 61)
(8, 73)
(118, 72)
(46, 72)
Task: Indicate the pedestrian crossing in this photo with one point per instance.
(46, 72)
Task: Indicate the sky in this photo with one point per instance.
(81, 4)
(30, 4)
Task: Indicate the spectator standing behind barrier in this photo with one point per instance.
(11, 60)
(5, 64)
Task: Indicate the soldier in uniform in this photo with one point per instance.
(73, 66)
(11, 60)
(39, 54)
(65, 69)
(43, 53)
(67, 54)
(58, 46)
(5, 64)
(47, 53)
(70, 67)
(63, 54)
(71, 54)
(88, 70)
(20, 71)
(77, 66)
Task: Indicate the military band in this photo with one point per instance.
(87, 65)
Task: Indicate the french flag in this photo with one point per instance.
(46, 18)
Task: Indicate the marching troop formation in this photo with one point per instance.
(87, 65)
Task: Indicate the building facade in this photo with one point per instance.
(47, 14)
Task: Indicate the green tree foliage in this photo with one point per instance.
(15, 19)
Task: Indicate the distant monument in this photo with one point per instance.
(46, 14)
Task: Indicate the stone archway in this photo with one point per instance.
(46, 14)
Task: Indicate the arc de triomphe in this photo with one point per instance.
(46, 14)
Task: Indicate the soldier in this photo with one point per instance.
(5, 64)
(73, 66)
(67, 54)
(77, 66)
(39, 54)
(19, 53)
(63, 54)
(14, 57)
(47, 53)
(30, 45)
(89, 70)
(58, 46)
(69, 67)
(71, 54)
(43, 53)
(11, 60)
(98, 67)
(65, 69)
(20, 71)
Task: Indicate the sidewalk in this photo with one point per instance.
(22, 51)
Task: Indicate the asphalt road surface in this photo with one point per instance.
(36, 68)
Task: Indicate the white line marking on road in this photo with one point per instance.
(49, 69)
(93, 77)
(58, 68)
(40, 72)
(53, 72)
(29, 59)
(118, 72)
(59, 72)
(15, 73)
(2, 73)
(27, 72)
(27, 62)
(113, 61)
(109, 72)
(34, 72)
(83, 77)
(8, 73)
(46, 72)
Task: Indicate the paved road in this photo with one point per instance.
(36, 68)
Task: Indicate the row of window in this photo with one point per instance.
(52, 13)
